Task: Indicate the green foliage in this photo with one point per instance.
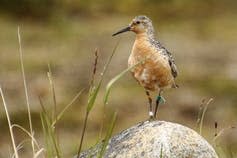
(92, 97)
(52, 146)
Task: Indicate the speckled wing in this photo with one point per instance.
(165, 52)
(172, 64)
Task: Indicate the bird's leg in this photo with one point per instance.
(151, 115)
(159, 99)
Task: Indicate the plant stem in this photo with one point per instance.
(203, 114)
(9, 124)
(26, 91)
(82, 134)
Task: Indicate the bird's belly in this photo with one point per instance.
(152, 74)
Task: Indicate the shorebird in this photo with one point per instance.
(158, 71)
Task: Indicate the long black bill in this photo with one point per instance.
(121, 31)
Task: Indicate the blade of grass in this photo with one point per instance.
(52, 128)
(110, 58)
(26, 90)
(83, 134)
(52, 87)
(108, 135)
(92, 97)
(42, 106)
(67, 106)
(117, 77)
(52, 146)
(51, 140)
(203, 114)
(200, 112)
(43, 115)
(201, 107)
(49, 151)
(9, 124)
(161, 151)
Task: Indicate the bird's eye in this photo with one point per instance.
(138, 22)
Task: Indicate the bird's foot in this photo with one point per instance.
(151, 116)
(159, 100)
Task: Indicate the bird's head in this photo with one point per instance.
(140, 24)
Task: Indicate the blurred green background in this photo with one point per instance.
(201, 34)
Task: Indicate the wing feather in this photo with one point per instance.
(165, 52)
(172, 65)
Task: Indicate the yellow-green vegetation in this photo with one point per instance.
(201, 35)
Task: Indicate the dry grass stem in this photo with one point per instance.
(9, 124)
(25, 88)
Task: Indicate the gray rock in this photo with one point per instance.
(151, 139)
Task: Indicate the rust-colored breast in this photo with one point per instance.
(154, 73)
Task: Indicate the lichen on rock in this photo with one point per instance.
(156, 139)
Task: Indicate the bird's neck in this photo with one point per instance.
(141, 46)
(145, 36)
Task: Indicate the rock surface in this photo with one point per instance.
(156, 139)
